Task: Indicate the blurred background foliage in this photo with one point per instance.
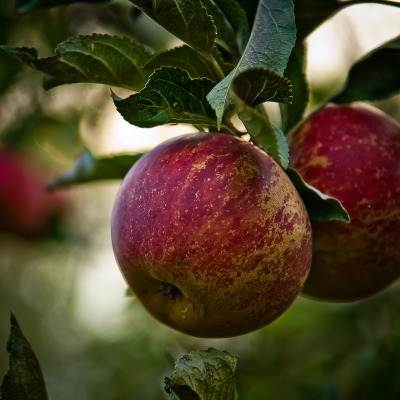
(93, 340)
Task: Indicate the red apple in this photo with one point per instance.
(211, 235)
(352, 152)
(26, 208)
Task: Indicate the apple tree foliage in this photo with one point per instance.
(233, 56)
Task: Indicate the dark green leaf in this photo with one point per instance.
(24, 380)
(311, 13)
(225, 66)
(295, 72)
(185, 58)
(28, 5)
(374, 77)
(170, 96)
(186, 19)
(270, 137)
(270, 44)
(88, 168)
(203, 375)
(250, 8)
(111, 60)
(257, 85)
(320, 207)
(231, 23)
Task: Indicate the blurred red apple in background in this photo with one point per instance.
(352, 152)
(211, 235)
(26, 207)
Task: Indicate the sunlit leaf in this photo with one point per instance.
(111, 60)
(28, 5)
(24, 380)
(320, 207)
(272, 39)
(170, 96)
(88, 168)
(374, 77)
(203, 375)
(186, 19)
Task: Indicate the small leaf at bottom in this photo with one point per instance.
(24, 380)
(203, 375)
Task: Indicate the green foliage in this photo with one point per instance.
(231, 23)
(258, 85)
(24, 380)
(203, 375)
(106, 59)
(88, 168)
(236, 55)
(185, 58)
(188, 20)
(271, 41)
(170, 96)
(310, 13)
(320, 207)
(251, 88)
(295, 71)
(375, 77)
(265, 134)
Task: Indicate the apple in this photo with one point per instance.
(27, 209)
(211, 235)
(352, 152)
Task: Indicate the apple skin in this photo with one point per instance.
(211, 235)
(352, 152)
(27, 209)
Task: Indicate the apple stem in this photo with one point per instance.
(169, 290)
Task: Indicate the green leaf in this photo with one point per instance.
(24, 380)
(312, 13)
(185, 58)
(320, 207)
(250, 8)
(374, 77)
(270, 137)
(203, 375)
(231, 23)
(188, 20)
(295, 72)
(225, 65)
(110, 60)
(88, 168)
(29, 5)
(170, 96)
(272, 39)
(257, 85)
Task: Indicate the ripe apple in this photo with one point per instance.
(26, 208)
(211, 235)
(352, 152)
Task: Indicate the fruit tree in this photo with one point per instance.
(272, 194)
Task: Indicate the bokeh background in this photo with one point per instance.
(93, 340)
